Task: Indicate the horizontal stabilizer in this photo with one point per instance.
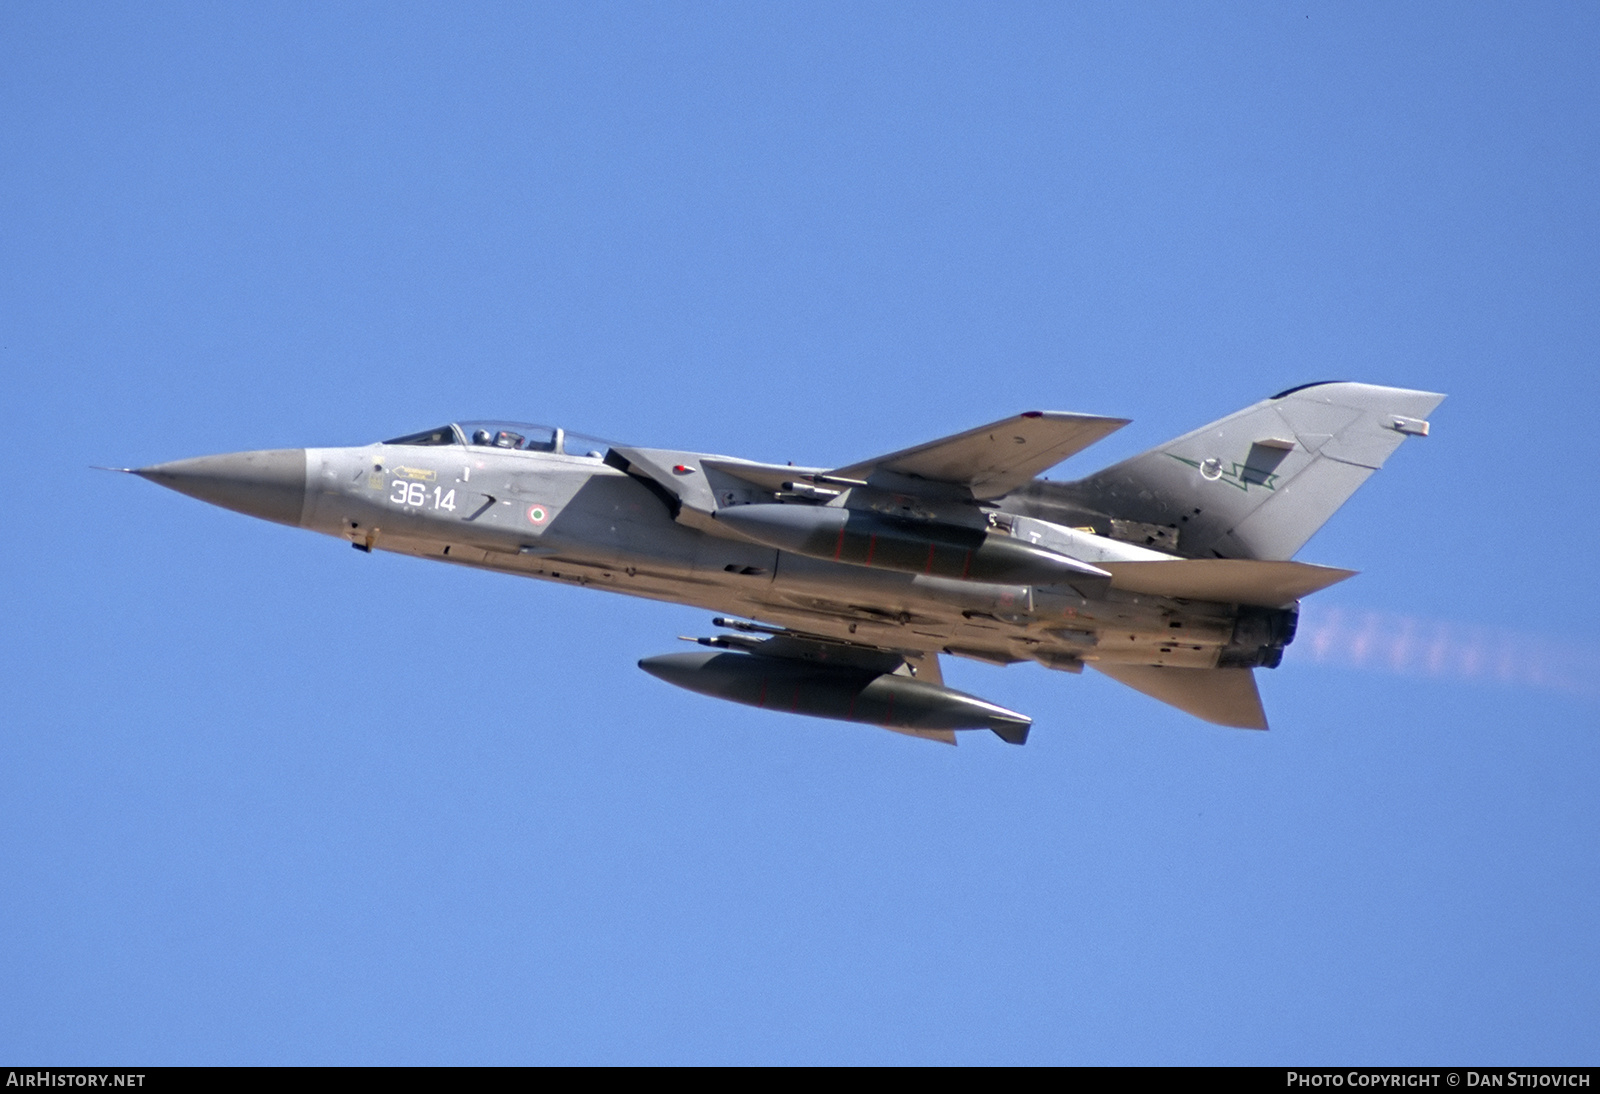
(994, 459)
(1225, 580)
(1226, 697)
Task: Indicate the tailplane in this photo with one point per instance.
(1224, 697)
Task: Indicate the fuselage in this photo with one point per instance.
(580, 519)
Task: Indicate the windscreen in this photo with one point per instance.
(444, 434)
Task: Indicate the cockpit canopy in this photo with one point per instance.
(511, 436)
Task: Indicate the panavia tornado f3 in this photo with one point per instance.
(1170, 572)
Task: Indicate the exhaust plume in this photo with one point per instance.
(1440, 649)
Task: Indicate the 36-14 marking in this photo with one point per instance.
(415, 495)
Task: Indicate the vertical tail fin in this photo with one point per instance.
(1260, 482)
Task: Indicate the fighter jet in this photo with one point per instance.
(839, 588)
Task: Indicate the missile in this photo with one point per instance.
(841, 692)
(863, 538)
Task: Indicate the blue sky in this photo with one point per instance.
(269, 800)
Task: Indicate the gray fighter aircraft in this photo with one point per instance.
(1170, 572)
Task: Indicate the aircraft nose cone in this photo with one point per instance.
(270, 484)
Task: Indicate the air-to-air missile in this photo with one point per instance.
(1171, 572)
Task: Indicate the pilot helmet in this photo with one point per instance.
(480, 436)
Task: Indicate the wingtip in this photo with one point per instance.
(1106, 419)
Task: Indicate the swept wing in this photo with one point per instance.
(993, 459)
